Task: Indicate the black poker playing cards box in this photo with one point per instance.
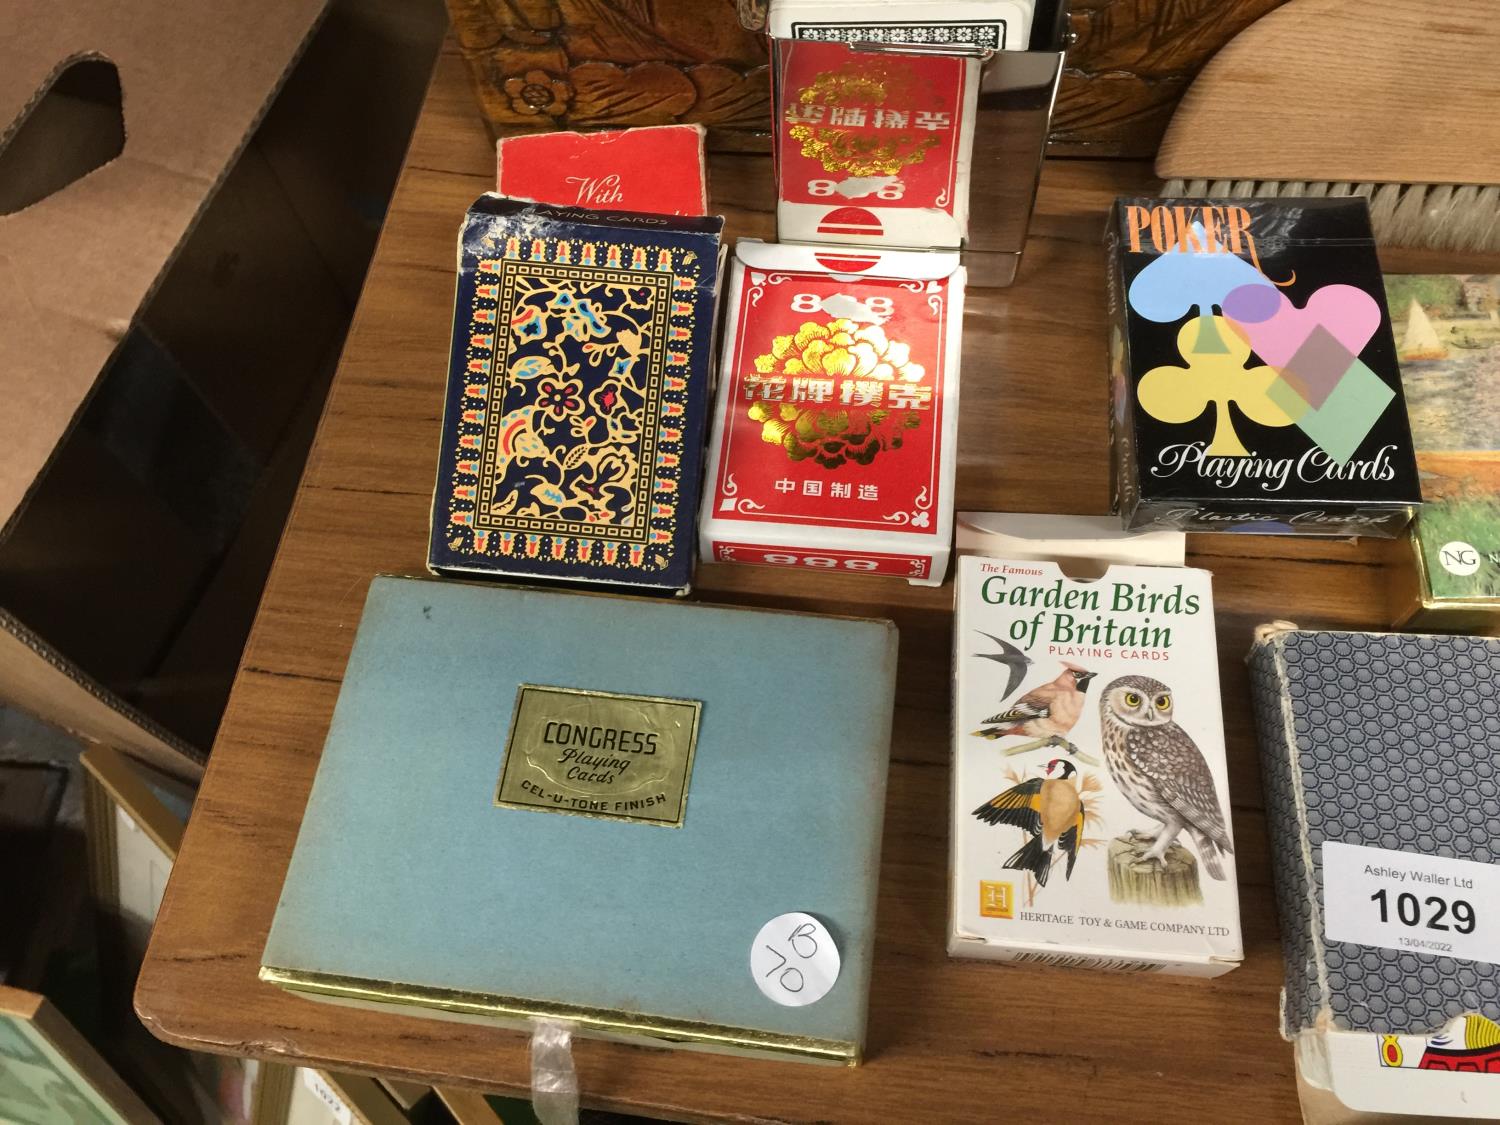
(1254, 375)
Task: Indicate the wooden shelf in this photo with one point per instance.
(949, 1040)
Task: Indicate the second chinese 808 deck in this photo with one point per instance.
(837, 413)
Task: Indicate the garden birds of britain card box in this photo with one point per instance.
(1090, 815)
(600, 810)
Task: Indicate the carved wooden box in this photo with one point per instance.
(548, 64)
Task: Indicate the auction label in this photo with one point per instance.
(1411, 902)
(336, 1105)
(794, 960)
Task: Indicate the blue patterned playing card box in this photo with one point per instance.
(1378, 741)
(578, 390)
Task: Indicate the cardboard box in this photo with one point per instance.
(1090, 814)
(836, 421)
(74, 165)
(1447, 572)
(657, 169)
(1254, 376)
(578, 396)
(875, 147)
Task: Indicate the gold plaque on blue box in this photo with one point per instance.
(598, 753)
(530, 777)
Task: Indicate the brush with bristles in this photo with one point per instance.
(1394, 100)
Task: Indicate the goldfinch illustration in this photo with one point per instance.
(1050, 810)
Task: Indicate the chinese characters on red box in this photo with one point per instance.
(872, 148)
(856, 117)
(834, 426)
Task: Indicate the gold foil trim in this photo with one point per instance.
(1419, 606)
(862, 83)
(608, 1021)
(839, 150)
(883, 393)
(599, 753)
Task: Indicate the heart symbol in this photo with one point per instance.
(1276, 328)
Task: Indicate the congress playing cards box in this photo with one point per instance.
(874, 146)
(1090, 816)
(578, 393)
(1254, 374)
(836, 419)
(592, 809)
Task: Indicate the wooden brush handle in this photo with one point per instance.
(1370, 91)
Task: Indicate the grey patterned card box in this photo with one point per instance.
(1382, 740)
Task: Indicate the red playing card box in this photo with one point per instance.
(657, 169)
(872, 148)
(835, 426)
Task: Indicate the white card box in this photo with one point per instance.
(1073, 700)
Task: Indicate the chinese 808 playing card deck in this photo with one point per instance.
(874, 145)
(837, 411)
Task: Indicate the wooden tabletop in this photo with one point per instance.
(948, 1040)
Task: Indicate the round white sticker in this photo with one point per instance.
(1459, 558)
(794, 960)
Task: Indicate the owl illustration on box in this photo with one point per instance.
(1160, 769)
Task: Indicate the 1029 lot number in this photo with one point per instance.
(1433, 912)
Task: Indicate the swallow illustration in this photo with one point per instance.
(1012, 658)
